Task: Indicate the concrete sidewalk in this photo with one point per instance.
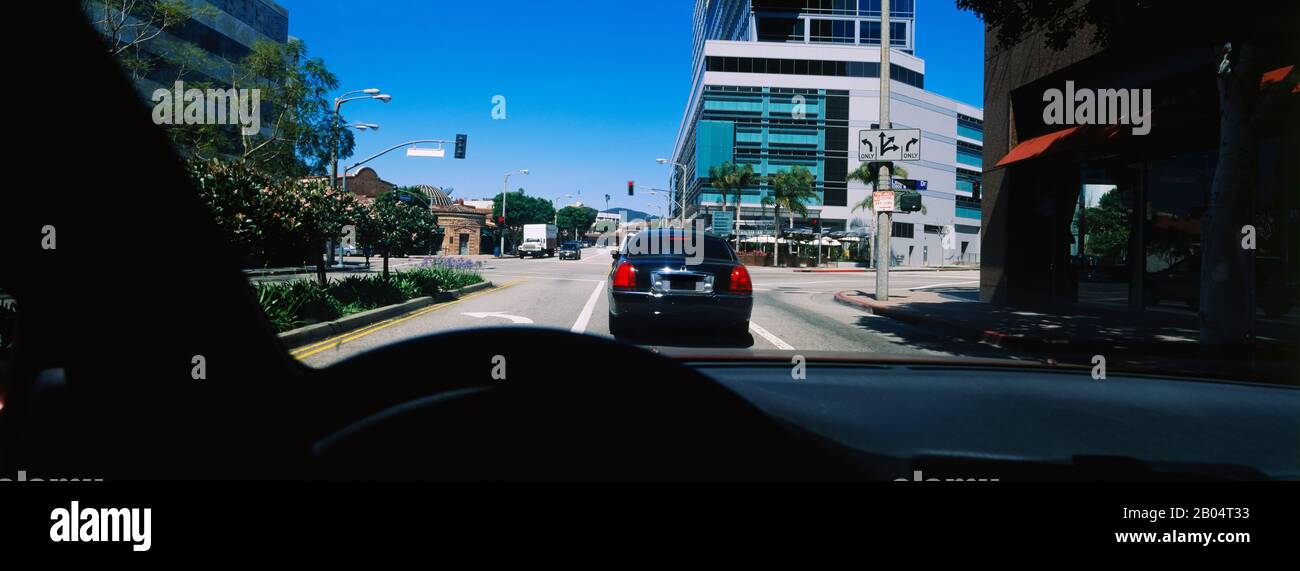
(1151, 340)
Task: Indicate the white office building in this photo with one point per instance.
(779, 83)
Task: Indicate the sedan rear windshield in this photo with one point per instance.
(714, 248)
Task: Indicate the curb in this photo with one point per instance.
(300, 271)
(995, 338)
(312, 333)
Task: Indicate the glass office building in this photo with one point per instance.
(784, 83)
(224, 31)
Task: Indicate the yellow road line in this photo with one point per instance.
(309, 350)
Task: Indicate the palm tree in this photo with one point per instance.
(791, 190)
(869, 174)
(729, 178)
(607, 197)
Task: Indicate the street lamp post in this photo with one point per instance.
(668, 194)
(371, 93)
(505, 191)
(329, 254)
(681, 192)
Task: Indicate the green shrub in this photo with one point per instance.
(294, 304)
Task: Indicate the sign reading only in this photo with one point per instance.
(889, 145)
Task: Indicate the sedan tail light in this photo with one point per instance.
(740, 282)
(625, 276)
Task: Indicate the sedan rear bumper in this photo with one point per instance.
(717, 308)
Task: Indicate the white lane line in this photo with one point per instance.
(580, 326)
(942, 285)
(773, 339)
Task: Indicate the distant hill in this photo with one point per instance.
(631, 214)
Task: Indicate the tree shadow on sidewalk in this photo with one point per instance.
(1160, 342)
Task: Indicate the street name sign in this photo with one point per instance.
(418, 152)
(889, 145)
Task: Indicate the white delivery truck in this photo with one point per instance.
(539, 240)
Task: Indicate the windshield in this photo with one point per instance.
(352, 169)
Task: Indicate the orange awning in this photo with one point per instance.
(1083, 135)
(1058, 141)
(1276, 76)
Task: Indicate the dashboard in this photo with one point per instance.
(943, 422)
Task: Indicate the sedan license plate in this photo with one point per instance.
(682, 284)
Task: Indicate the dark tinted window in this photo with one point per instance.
(715, 248)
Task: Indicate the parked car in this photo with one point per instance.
(571, 251)
(346, 250)
(649, 288)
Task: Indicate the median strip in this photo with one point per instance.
(315, 338)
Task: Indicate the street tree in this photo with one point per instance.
(1242, 43)
(131, 27)
(521, 209)
(270, 220)
(869, 174)
(299, 138)
(579, 219)
(792, 190)
(393, 227)
(1105, 228)
(326, 211)
(731, 179)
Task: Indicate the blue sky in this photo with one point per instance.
(594, 90)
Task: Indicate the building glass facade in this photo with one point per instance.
(795, 86)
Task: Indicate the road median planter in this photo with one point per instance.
(320, 331)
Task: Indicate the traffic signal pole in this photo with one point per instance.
(884, 220)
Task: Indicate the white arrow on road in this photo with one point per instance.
(512, 318)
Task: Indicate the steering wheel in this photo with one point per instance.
(528, 403)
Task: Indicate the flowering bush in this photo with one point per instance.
(273, 221)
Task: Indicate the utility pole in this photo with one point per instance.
(884, 220)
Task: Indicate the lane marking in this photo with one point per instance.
(773, 339)
(580, 326)
(942, 285)
(512, 318)
(338, 340)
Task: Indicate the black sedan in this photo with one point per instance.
(571, 251)
(712, 289)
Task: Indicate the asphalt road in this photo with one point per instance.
(792, 311)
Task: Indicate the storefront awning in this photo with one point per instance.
(1058, 141)
(1276, 76)
(1076, 137)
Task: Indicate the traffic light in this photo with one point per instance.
(975, 190)
(909, 201)
(817, 225)
(631, 188)
(461, 141)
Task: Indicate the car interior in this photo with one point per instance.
(102, 384)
